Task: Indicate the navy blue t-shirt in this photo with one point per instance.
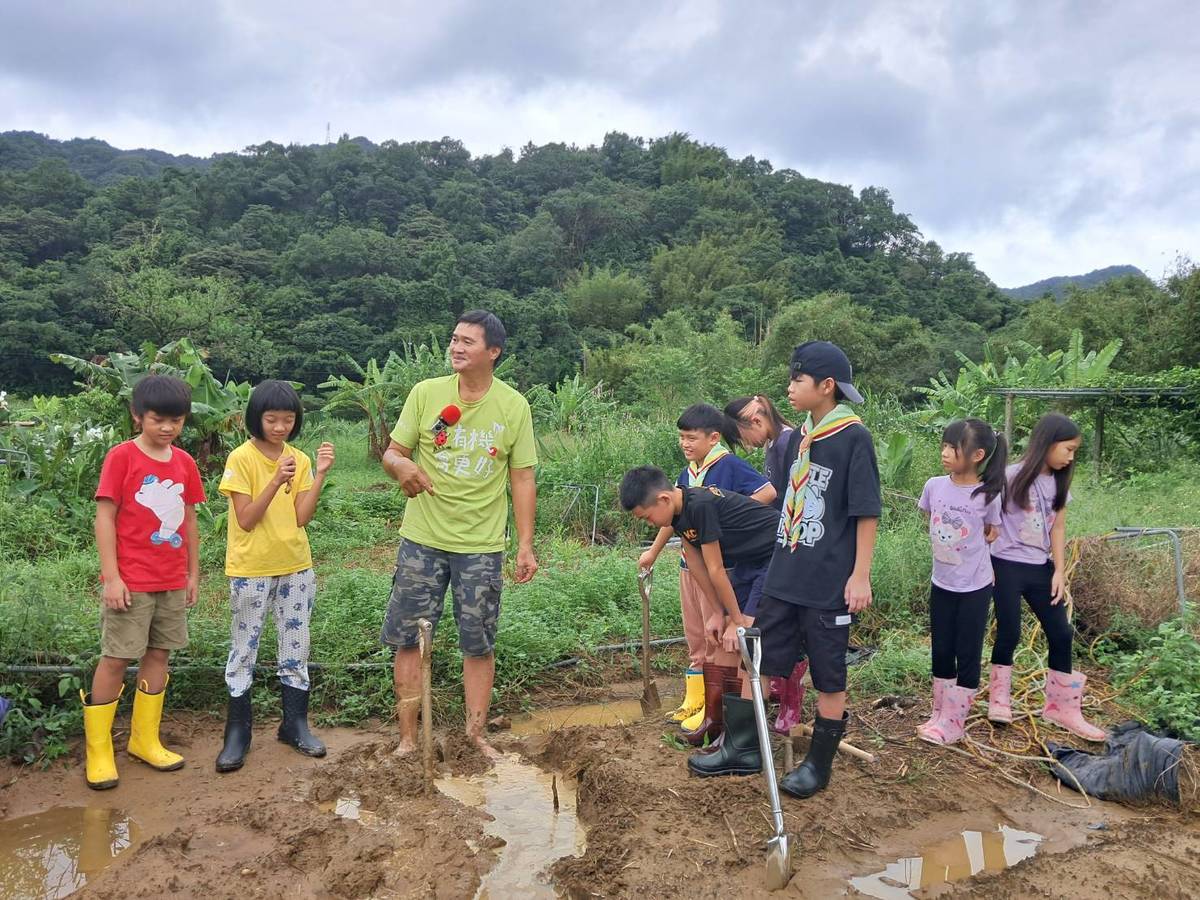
(729, 473)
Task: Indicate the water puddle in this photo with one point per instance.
(614, 712)
(520, 798)
(951, 860)
(54, 853)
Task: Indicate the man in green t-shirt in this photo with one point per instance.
(461, 440)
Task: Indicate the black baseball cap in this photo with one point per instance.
(822, 360)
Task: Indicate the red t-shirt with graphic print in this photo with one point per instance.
(151, 498)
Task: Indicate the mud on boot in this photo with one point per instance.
(293, 730)
(812, 775)
(693, 697)
(144, 742)
(238, 727)
(101, 765)
(710, 722)
(939, 693)
(1000, 694)
(952, 720)
(739, 753)
(1064, 704)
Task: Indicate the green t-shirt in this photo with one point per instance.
(468, 510)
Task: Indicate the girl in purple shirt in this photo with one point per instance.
(963, 507)
(1028, 561)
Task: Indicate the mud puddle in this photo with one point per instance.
(534, 814)
(614, 712)
(951, 860)
(55, 853)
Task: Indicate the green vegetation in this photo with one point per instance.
(635, 278)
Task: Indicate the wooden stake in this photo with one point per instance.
(848, 749)
(425, 640)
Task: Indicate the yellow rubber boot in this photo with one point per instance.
(693, 697)
(97, 731)
(143, 730)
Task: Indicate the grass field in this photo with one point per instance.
(584, 595)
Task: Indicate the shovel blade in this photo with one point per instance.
(650, 702)
(779, 862)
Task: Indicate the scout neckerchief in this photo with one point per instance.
(836, 420)
(697, 471)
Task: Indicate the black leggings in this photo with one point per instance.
(957, 622)
(1015, 580)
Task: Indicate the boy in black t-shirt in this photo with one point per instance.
(727, 540)
(820, 573)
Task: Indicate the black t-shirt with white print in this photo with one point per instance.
(844, 479)
(744, 528)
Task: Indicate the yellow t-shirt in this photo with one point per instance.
(277, 545)
(469, 508)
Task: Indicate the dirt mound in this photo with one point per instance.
(461, 755)
(371, 773)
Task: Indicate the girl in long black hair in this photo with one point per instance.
(1028, 559)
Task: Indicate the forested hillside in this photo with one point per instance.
(629, 259)
(1057, 286)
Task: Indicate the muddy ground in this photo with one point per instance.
(270, 830)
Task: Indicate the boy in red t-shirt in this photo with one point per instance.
(150, 567)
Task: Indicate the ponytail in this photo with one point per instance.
(734, 409)
(969, 435)
(991, 470)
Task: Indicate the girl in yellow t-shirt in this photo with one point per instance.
(273, 494)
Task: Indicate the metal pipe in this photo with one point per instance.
(314, 667)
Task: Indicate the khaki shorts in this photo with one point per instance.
(157, 619)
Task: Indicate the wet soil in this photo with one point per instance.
(273, 828)
(656, 831)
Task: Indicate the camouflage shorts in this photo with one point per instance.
(419, 592)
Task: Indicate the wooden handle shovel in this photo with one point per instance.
(650, 701)
(425, 639)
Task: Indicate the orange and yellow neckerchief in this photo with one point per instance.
(836, 420)
(697, 471)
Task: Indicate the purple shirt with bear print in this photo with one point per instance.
(956, 524)
(1025, 533)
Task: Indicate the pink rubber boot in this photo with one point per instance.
(939, 693)
(1000, 694)
(791, 700)
(952, 722)
(1064, 698)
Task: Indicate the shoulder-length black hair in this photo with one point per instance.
(273, 396)
(1052, 428)
(969, 435)
(735, 407)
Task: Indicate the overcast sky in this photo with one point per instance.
(1045, 138)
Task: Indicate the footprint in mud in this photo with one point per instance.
(533, 813)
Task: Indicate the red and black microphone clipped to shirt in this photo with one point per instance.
(446, 419)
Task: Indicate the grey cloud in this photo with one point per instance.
(965, 111)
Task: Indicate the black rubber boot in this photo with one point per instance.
(293, 730)
(237, 734)
(739, 753)
(812, 775)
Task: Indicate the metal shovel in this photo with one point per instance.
(779, 855)
(650, 701)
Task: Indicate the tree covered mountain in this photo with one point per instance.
(94, 160)
(1057, 286)
(635, 260)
